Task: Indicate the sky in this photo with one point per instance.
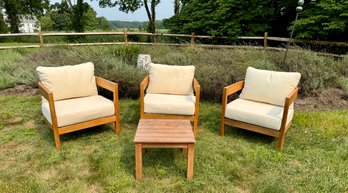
(163, 10)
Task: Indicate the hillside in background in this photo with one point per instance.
(114, 24)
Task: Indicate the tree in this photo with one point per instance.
(222, 17)
(12, 10)
(78, 17)
(46, 23)
(284, 13)
(78, 11)
(61, 17)
(3, 25)
(89, 20)
(16, 8)
(151, 14)
(178, 4)
(103, 24)
(132, 5)
(324, 19)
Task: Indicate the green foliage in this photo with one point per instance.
(61, 21)
(15, 8)
(317, 72)
(3, 25)
(6, 80)
(46, 23)
(132, 5)
(89, 19)
(344, 85)
(81, 18)
(325, 20)
(222, 17)
(103, 24)
(124, 5)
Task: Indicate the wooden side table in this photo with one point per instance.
(164, 133)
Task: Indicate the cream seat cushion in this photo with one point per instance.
(269, 86)
(256, 113)
(166, 79)
(169, 104)
(77, 110)
(69, 81)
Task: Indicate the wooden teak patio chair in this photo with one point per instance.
(170, 92)
(71, 101)
(265, 104)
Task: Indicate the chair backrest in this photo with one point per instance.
(166, 79)
(269, 86)
(69, 81)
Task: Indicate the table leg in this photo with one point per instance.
(138, 161)
(184, 151)
(190, 156)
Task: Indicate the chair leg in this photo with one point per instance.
(57, 139)
(281, 140)
(222, 129)
(117, 126)
(195, 126)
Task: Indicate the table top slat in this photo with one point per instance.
(164, 131)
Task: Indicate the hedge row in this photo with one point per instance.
(215, 68)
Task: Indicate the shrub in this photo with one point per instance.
(6, 80)
(127, 76)
(26, 76)
(9, 60)
(317, 72)
(344, 85)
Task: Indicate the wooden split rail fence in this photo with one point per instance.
(192, 36)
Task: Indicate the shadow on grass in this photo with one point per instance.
(46, 132)
(156, 162)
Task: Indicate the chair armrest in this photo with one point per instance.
(291, 97)
(197, 89)
(233, 88)
(196, 86)
(288, 101)
(113, 87)
(48, 95)
(143, 85)
(106, 84)
(229, 90)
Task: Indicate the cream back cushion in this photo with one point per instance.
(69, 81)
(165, 79)
(269, 86)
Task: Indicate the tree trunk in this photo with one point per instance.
(151, 14)
(69, 5)
(176, 7)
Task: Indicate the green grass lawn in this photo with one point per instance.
(314, 159)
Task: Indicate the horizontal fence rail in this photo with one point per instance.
(154, 36)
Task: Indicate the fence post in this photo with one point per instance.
(193, 38)
(265, 37)
(154, 38)
(41, 39)
(125, 36)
